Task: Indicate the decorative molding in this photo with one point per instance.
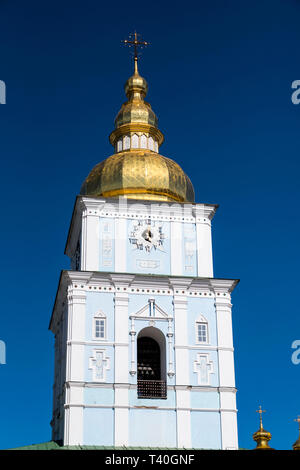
(203, 367)
(99, 363)
(192, 388)
(132, 407)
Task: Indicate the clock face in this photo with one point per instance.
(147, 235)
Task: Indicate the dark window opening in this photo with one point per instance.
(149, 383)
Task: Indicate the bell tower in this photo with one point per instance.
(143, 331)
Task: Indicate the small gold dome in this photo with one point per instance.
(136, 84)
(262, 437)
(139, 174)
(136, 114)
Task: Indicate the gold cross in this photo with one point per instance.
(260, 411)
(134, 41)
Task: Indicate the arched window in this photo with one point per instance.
(135, 141)
(126, 142)
(151, 364)
(143, 141)
(119, 145)
(151, 143)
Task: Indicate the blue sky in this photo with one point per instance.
(219, 75)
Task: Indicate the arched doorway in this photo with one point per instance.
(151, 361)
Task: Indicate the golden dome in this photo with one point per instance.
(139, 174)
(262, 437)
(137, 170)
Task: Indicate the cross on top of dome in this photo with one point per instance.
(136, 42)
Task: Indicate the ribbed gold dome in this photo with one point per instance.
(136, 170)
(139, 174)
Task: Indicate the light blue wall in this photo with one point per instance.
(206, 307)
(98, 396)
(159, 257)
(161, 424)
(189, 249)
(96, 301)
(196, 306)
(170, 401)
(109, 353)
(209, 400)
(152, 428)
(213, 357)
(206, 430)
(107, 244)
(98, 427)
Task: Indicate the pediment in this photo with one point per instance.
(151, 310)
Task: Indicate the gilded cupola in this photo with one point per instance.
(262, 437)
(136, 170)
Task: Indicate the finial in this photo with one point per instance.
(262, 437)
(135, 42)
(296, 445)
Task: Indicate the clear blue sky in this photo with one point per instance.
(219, 75)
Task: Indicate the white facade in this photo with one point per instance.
(143, 272)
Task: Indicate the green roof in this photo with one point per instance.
(51, 445)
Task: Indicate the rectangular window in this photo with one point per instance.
(100, 328)
(202, 332)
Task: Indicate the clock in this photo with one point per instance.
(147, 235)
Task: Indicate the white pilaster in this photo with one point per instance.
(73, 434)
(204, 248)
(181, 339)
(226, 371)
(121, 415)
(121, 369)
(90, 241)
(184, 438)
(76, 332)
(182, 375)
(228, 419)
(121, 338)
(73, 426)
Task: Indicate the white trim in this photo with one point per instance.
(133, 407)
